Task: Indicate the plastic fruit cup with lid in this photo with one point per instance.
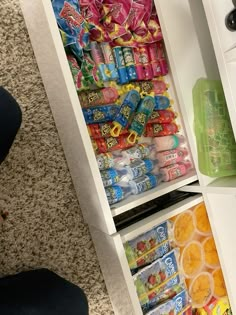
(210, 252)
(201, 289)
(192, 259)
(219, 284)
(184, 228)
(202, 222)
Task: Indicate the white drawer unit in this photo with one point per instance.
(191, 56)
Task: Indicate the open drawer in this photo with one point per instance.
(113, 261)
(65, 105)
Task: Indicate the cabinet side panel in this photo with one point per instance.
(222, 216)
(116, 273)
(64, 102)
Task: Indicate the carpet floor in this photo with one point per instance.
(45, 227)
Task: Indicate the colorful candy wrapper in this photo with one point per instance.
(148, 5)
(120, 64)
(117, 10)
(91, 72)
(141, 117)
(159, 130)
(162, 117)
(146, 62)
(155, 86)
(162, 58)
(80, 83)
(161, 102)
(109, 144)
(103, 96)
(125, 113)
(148, 246)
(109, 60)
(142, 35)
(154, 28)
(100, 114)
(154, 56)
(102, 130)
(72, 23)
(129, 63)
(114, 30)
(89, 11)
(125, 40)
(136, 16)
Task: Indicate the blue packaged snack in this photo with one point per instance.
(125, 113)
(181, 300)
(148, 246)
(113, 176)
(143, 113)
(161, 102)
(116, 193)
(143, 183)
(100, 114)
(152, 281)
(70, 21)
(174, 306)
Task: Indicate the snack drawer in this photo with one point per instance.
(113, 261)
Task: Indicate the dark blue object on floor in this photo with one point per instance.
(10, 121)
(40, 292)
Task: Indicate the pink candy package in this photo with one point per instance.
(118, 10)
(136, 16)
(148, 9)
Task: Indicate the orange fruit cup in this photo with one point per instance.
(219, 284)
(201, 289)
(202, 222)
(192, 259)
(184, 228)
(210, 253)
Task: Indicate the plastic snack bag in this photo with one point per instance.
(72, 23)
(149, 246)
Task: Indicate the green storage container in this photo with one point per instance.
(214, 135)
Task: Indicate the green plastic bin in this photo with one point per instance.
(216, 145)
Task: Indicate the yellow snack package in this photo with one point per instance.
(216, 307)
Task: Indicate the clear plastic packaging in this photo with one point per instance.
(203, 227)
(184, 228)
(201, 289)
(148, 246)
(216, 145)
(192, 259)
(219, 283)
(210, 252)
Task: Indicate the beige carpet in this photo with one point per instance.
(45, 226)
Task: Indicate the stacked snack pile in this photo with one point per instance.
(154, 265)
(176, 269)
(199, 261)
(116, 54)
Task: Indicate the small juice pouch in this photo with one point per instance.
(152, 281)
(148, 246)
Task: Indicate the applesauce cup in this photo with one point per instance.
(201, 289)
(192, 259)
(219, 284)
(210, 253)
(184, 228)
(203, 227)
